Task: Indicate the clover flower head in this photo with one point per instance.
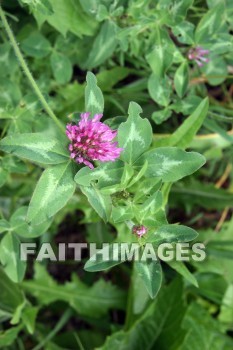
(139, 230)
(198, 54)
(92, 140)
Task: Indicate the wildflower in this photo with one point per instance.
(92, 140)
(139, 230)
(198, 54)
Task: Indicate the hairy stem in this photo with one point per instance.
(26, 69)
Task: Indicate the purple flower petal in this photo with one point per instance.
(198, 54)
(92, 140)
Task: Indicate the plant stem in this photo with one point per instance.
(129, 306)
(26, 69)
(78, 341)
(63, 320)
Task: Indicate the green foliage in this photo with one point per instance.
(54, 188)
(35, 147)
(94, 101)
(181, 79)
(103, 46)
(98, 263)
(184, 135)
(42, 6)
(40, 50)
(160, 89)
(151, 274)
(174, 233)
(10, 257)
(62, 68)
(12, 299)
(66, 17)
(86, 301)
(100, 202)
(170, 163)
(135, 135)
(7, 338)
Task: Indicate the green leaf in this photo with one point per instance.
(160, 89)
(121, 214)
(226, 313)
(3, 176)
(160, 58)
(181, 79)
(204, 195)
(138, 294)
(138, 176)
(166, 309)
(101, 203)
(95, 300)
(173, 12)
(146, 213)
(187, 105)
(184, 32)
(135, 135)
(109, 256)
(11, 296)
(10, 94)
(61, 67)
(69, 16)
(29, 315)
(94, 100)
(102, 13)
(36, 45)
(36, 147)
(145, 188)
(14, 267)
(216, 70)
(181, 268)
(108, 78)
(4, 225)
(210, 24)
(90, 7)
(14, 165)
(170, 163)
(151, 274)
(184, 135)
(53, 190)
(203, 331)
(198, 330)
(8, 63)
(8, 337)
(104, 45)
(174, 233)
(42, 6)
(162, 115)
(107, 174)
(19, 224)
(212, 285)
(221, 45)
(98, 263)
